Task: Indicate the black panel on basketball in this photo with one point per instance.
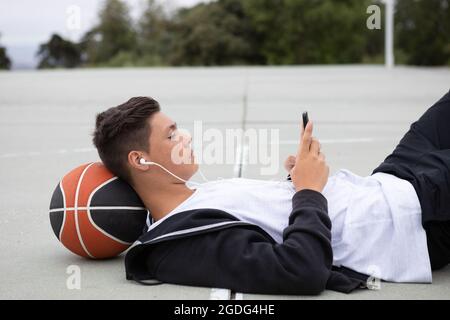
(56, 218)
(57, 200)
(123, 224)
(116, 193)
(126, 225)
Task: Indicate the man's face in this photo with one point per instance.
(170, 147)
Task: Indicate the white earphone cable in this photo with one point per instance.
(142, 161)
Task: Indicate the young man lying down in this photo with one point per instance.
(283, 237)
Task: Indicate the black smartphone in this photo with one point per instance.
(305, 119)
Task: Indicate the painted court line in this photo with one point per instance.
(41, 153)
(344, 141)
(220, 294)
(241, 153)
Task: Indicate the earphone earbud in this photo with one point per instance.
(143, 161)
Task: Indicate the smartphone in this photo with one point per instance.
(305, 119)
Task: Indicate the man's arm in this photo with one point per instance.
(245, 260)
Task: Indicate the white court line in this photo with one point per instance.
(241, 167)
(81, 150)
(239, 151)
(40, 153)
(237, 164)
(343, 141)
(220, 294)
(10, 155)
(241, 160)
(239, 296)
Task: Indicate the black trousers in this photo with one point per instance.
(423, 158)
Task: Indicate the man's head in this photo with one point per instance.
(138, 129)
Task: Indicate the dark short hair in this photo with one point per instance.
(122, 129)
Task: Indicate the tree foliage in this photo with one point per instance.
(114, 35)
(59, 53)
(275, 32)
(423, 31)
(5, 62)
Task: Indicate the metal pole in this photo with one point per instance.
(389, 34)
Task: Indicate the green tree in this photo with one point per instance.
(113, 36)
(229, 32)
(58, 53)
(155, 34)
(211, 34)
(5, 62)
(423, 31)
(309, 31)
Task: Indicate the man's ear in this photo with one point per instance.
(134, 158)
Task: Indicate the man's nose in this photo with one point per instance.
(186, 137)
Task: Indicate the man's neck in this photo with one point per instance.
(162, 199)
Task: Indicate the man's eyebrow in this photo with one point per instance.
(173, 126)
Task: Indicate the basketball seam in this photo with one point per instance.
(101, 186)
(106, 233)
(76, 211)
(99, 208)
(90, 217)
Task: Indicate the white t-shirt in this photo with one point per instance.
(376, 220)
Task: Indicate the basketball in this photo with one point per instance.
(95, 214)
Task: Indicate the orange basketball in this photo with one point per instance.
(95, 214)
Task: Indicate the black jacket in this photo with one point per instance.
(212, 248)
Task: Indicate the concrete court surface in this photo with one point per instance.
(46, 118)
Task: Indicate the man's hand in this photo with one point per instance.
(289, 163)
(310, 170)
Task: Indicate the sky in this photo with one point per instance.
(24, 24)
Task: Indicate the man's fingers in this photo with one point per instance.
(306, 139)
(307, 132)
(289, 162)
(321, 156)
(315, 146)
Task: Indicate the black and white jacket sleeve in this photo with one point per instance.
(246, 260)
